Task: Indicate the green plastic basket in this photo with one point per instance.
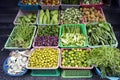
(45, 72)
(83, 30)
(76, 74)
(113, 45)
(19, 48)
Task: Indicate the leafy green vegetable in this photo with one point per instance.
(21, 35)
(107, 59)
(72, 36)
(30, 18)
(48, 31)
(100, 34)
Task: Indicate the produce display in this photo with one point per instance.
(92, 14)
(72, 35)
(81, 29)
(71, 16)
(29, 2)
(47, 36)
(70, 1)
(50, 2)
(91, 1)
(21, 36)
(107, 59)
(43, 58)
(48, 17)
(100, 34)
(30, 18)
(74, 58)
(16, 63)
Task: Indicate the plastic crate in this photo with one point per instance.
(77, 68)
(113, 45)
(98, 72)
(24, 12)
(5, 68)
(83, 30)
(18, 48)
(34, 46)
(97, 8)
(38, 20)
(76, 74)
(99, 4)
(45, 72)
(47, 68)
(27, 7)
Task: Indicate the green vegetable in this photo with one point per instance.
(21, 36)
(72, 36)
(70, 1)
(71, 16)
(100, 34)
(48, 31)
(74, 58)
(41, 16)
(30, 18)
(107, 59)
(44, 19)
(54, 19)
(48, 17)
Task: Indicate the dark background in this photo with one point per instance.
(8, 11)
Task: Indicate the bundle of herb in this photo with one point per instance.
(107, 59)
(22, 35)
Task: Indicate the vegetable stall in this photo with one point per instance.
(62, 37)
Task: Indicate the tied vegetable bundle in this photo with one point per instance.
(21, 36)
(107, 59)
(48, 17)
(43, 58)
(71, 16)
(47, 36)
(29, 2)
(91, 1)
(30, 18)
(72, 36)
(100, 34)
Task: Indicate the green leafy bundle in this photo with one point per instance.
(107, 59)
(21, 35)
(48, 31)
(72, 36)
(100, 34)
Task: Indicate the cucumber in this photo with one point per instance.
(45, 19)
(54, 19)
(48, 16)
(54, 12)
(41, 16)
